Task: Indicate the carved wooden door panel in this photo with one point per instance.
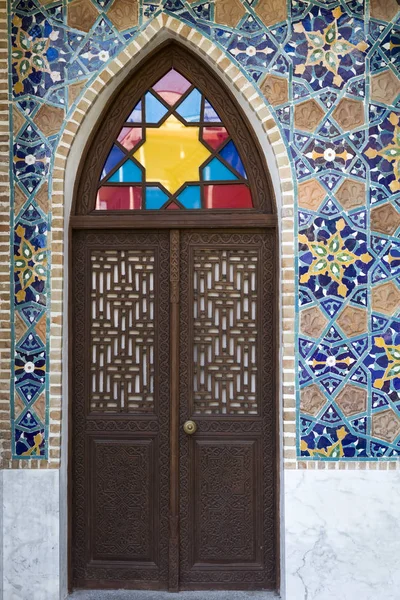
(120, 387)
(227, 467)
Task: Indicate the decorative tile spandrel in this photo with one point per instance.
(340, 123)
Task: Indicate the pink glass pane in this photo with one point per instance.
(172, 206)
(171, 87)
(119, 198)
(214, 136)
(129, 137)
(227, 196)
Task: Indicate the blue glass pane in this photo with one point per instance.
(155, 198)
(136, 114)
(190, 197)
(129, 172)
(209, 113)
(216, 171)
(231, 155)
(190, 107)
(115, 156)
(154, 109)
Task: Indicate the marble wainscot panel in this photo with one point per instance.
(31, 535)
(342, 535)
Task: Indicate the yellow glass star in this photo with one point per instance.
(172, 154)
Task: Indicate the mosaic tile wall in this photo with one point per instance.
(329, 72)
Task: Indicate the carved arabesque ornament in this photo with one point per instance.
(49, 119)
(229, 12)
(310, 194)
(124, 14)
(308, 115)
(386, 425)
(312, 321)
(351, 194)
(349, 114)
(271, 11)
(275, 89)
(386, 298)
(385, 87)
(353, 321)
(81, 14)
(352, 400)
(311, 400)
(385, 219)
(385, 10)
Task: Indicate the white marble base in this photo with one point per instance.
(341, 535)
(31, 535)
(342, 538)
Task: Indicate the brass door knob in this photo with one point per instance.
(190, 427)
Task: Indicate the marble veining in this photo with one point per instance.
(31, 535)
(342, 535)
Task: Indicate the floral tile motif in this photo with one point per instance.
(333, 258)
(341, 125)
(383, 152)
(328, 47)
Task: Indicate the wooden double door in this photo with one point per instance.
(173, 439)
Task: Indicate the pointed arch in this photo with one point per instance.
(171, 55)
(84, 113)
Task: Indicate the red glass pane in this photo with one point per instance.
(215, 136)
(171, 87)
(119, 198)
(227, 196)
(129, 137)
(172, 206)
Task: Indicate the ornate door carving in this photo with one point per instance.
(227, 486)
(120, 469)
(170, 327)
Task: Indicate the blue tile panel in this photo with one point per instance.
(348, 260)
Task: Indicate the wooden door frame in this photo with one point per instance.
(263, 216)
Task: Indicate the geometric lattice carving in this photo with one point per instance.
(122, 331)
(121, 459)
(225, 331)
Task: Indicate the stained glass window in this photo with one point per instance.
(174, 153)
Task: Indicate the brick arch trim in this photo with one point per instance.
(67, 158)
